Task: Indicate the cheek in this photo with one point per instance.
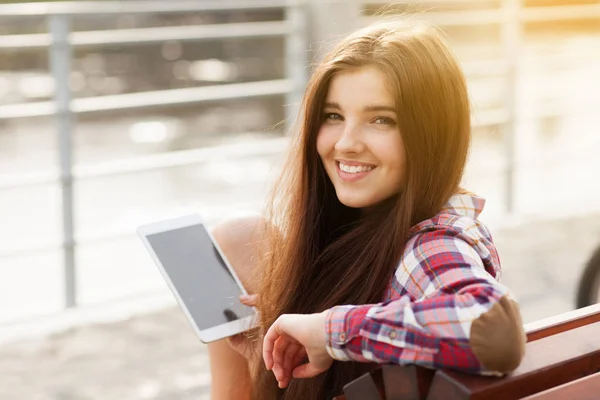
(324, 144)
(393, 155)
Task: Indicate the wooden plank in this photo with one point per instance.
(548, 362)
(562, 322)
(392, 382)
(406, 382)
(413, 382)
(365, 387)
(582, 389)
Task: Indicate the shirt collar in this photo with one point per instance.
(464, 204)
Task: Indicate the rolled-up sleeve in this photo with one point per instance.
(464, 319)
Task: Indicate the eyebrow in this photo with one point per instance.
(377, 107)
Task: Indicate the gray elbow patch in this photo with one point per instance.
(498, 338)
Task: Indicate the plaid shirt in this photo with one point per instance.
(446, 279)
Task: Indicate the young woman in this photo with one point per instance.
(370, 252)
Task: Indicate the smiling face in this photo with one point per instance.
(359, 141)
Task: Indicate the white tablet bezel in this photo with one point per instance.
(210, 334)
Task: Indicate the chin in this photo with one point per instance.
(356, 202)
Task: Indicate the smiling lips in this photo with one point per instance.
(352, 171)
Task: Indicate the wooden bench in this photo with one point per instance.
(586, 388)
(562, 357)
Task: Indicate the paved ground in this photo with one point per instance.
(156, 356)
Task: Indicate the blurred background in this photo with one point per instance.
(118, 113)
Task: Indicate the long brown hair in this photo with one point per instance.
(323, 253)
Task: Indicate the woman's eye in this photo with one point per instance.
(384, 121)
(333, 116)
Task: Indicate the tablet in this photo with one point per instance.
(203, 282)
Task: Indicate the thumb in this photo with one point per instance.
(249, 299)
(306, 371)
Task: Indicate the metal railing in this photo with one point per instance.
(60, 40)
(511, 16)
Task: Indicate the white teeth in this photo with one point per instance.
(354, 169)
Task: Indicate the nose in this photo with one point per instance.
(349, 140)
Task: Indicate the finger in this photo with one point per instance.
(292, 358)
(306, 371)
(269, 343)
(290, 354)
(299, 358)
(280, 348)
(249, 299)
(277, 372)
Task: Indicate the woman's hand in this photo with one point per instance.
(246, 343)
(290, 340)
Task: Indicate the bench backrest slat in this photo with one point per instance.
(366, 387)
(562, 322)
(560, 349)
(587, 388)
(548, 362)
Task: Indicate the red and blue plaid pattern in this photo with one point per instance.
(446, 279)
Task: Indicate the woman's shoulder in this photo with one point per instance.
(451, 242)
(240, 227)
(458, 217)
(455, 233)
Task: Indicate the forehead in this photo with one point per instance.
(365, 85)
